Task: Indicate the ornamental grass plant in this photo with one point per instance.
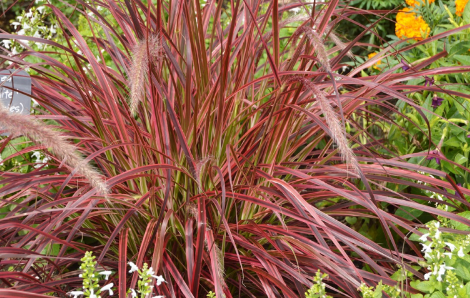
(239, 158)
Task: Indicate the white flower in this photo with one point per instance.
(79, 52)
(16, 24)
(19, 18)
(449, 254)
(1, 161)
(75, 294)
(427, 275)
(53, 29)
(296, 9)
(424, 238)
(80, 275)
(438, 234)
(426, 248)
(158, 296)
(159, 279)
(21, 32)
(6, 43)
(37, 34)
(38, 1)
(150, 271)
(437, 224)
(439, 278)
(40, 9)
(106, 274)
(14, 51)
(460, 253)
(26, 26)
(133, 293)
(108, 288)
(133, 267)
(450, 245)
(29, 14)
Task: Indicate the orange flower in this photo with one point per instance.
(460, 6)
(411, 26)
(418, 2)
(377, 64)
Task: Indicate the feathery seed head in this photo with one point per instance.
(144, 52)
(18, 124)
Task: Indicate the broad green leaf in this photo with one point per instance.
(460, 226)
(460, 159)
(423, 286)
(464, 59)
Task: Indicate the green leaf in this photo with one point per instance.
(460, 226)
(460, 159)
(459, 48)
(408, 213)
(351, 220)
(461, 269)
(423, 286)
(438, 295)
(453, 142)
(466, 14)
(464, 59)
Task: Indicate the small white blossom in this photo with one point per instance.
(26, 26)
(449, 254)
(92, 294)
(159, 279)
(438, 234)
(6, 43)
(158, 296)
(133, 267)
(106, 274)
(53, 29)
(426, 248)
(19, 18)
(133, 293)
(424, 238)
(29, 14)
(450, 245)
(75, 294)
(21, 32)
(460, 253)
(108, 288)
(15, 24)
(41, 9)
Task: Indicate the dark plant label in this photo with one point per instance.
(15, 91)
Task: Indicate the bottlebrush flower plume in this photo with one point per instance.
(143, 53)
(334, 124)
(18, 124)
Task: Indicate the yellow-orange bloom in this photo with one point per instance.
(376, 65)
(411, 26)
(418, 2)
(460, 6)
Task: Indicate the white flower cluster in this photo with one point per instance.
(31, 23)
(40, 161)
(145, 274)
(436, 251)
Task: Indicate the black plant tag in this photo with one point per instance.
(15, 91)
